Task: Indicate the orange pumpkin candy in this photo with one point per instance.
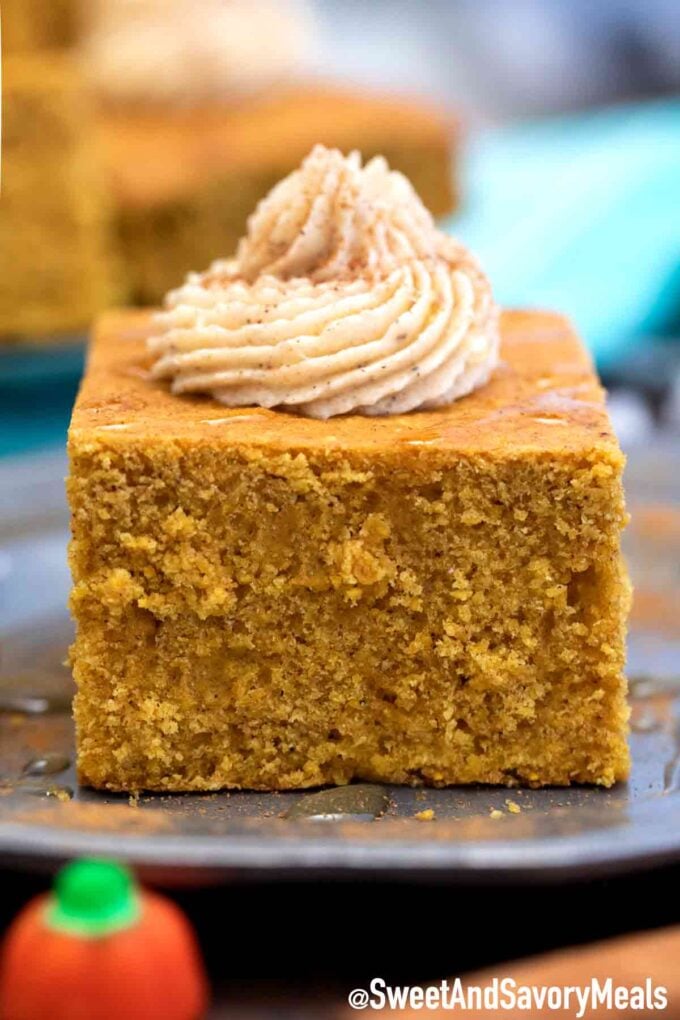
(101, 949)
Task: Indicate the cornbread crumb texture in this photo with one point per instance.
(54, 228)
(270, 602)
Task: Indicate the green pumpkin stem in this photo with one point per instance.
(93, 898)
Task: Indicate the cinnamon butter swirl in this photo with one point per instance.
(343, 298)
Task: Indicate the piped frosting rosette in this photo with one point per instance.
(343, 298)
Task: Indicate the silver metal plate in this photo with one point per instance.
(475, 834)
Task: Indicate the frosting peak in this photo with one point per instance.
(343, 296)
(333, 218)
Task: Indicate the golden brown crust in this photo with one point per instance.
(544, 397)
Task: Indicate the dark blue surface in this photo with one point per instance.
(37, 389)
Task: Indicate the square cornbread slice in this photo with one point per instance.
(269, 601)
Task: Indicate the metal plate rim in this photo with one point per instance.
(508, 860)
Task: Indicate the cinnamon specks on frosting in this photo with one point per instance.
(343, 297)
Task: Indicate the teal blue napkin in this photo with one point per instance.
(582, 214)
(37, 389)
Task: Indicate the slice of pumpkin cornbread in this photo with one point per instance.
(269, 601)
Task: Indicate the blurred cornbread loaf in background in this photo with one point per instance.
(39, 24)
(55, 245)
(56, 222)
(139, 135)
(185, 180)
(186, 52)
(200, 118)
